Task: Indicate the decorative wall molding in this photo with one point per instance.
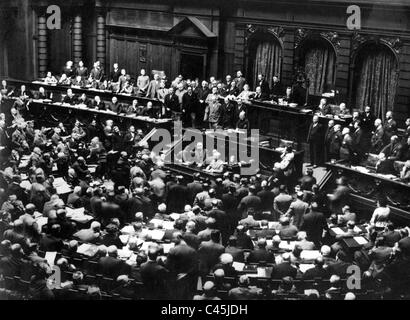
(251, 29)
(302, 34)
(393, 43)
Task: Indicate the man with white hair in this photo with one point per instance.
(389, 127)
(189, 235)
(284, 269)
(303, 243)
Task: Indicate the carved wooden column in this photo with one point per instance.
(42, 47)
(77, 39)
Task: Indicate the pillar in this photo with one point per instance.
(42, 47)
(77, 39)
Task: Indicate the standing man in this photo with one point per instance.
(328, 136)
(189, 107)
(142, 83)
(377, 141)
(389, 127)
(153, 87)
(172, 104)
(315, 138)
(240, 80)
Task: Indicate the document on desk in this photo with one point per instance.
(157, 235)
(124, 238)
(337, 231)
(127, 230)
(310, 254)
(360, 240)
(87, 249)
(51, 257)
(238, 266)
(303, 267)
(73, 212)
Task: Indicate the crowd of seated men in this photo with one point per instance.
(101, 207)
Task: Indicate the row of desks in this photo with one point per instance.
(90, 92)
(367, 187)
(39, 108)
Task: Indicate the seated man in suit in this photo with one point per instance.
(216, 165)
(236, 253)
(110, 266)
(284, 269)
(209, 252)
(260, 253)
(70, 98)
(385, 165)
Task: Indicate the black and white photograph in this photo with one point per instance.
(204, 150)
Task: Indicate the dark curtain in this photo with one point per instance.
(376, 80)
(267, 60)
(320, 68)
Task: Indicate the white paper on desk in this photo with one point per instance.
(337, 230)
(64, 189)
(305, 266)
(272, 224)
(175, 216)
(23, 163)
(92, 168)
(238, 266)
(168, 225)
(51, 257)
(167, 247)
(124, 253)
(309, 254)
(59, 182)
(157, 222)
(284, 245)
(82, 218)
(263, 272)
(127, 230)
(357, 229)
(54, 167)
(156, 234)
(73, 212)
(41, 222)
(146, 245)
(87, 249)
(360, 240)
(124, 238)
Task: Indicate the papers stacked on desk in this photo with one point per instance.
(303, 267)
(87, 249)
(361, 169)
(310, 254)
(41, 221)
(128, 230)
(238, 266)
(61, 186)
(360, 240)
(78, 215)
(156, 234)
(51, 257)
(338, 231)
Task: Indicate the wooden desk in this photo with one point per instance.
(366, 188)
(90, 92)
(41, 110)
(285, 122)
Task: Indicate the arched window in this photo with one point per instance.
(318, 58)
(375, 78)
(265, 52)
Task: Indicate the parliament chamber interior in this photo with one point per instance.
(204, 150)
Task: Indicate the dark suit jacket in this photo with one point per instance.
(284, 269)
(314, 223)
(182, 259)
(50, 243)
(259, 255)
(111, 267)
(236, 253)
(315, 134)
(154, 277)
(209, 253)
(172, 102)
